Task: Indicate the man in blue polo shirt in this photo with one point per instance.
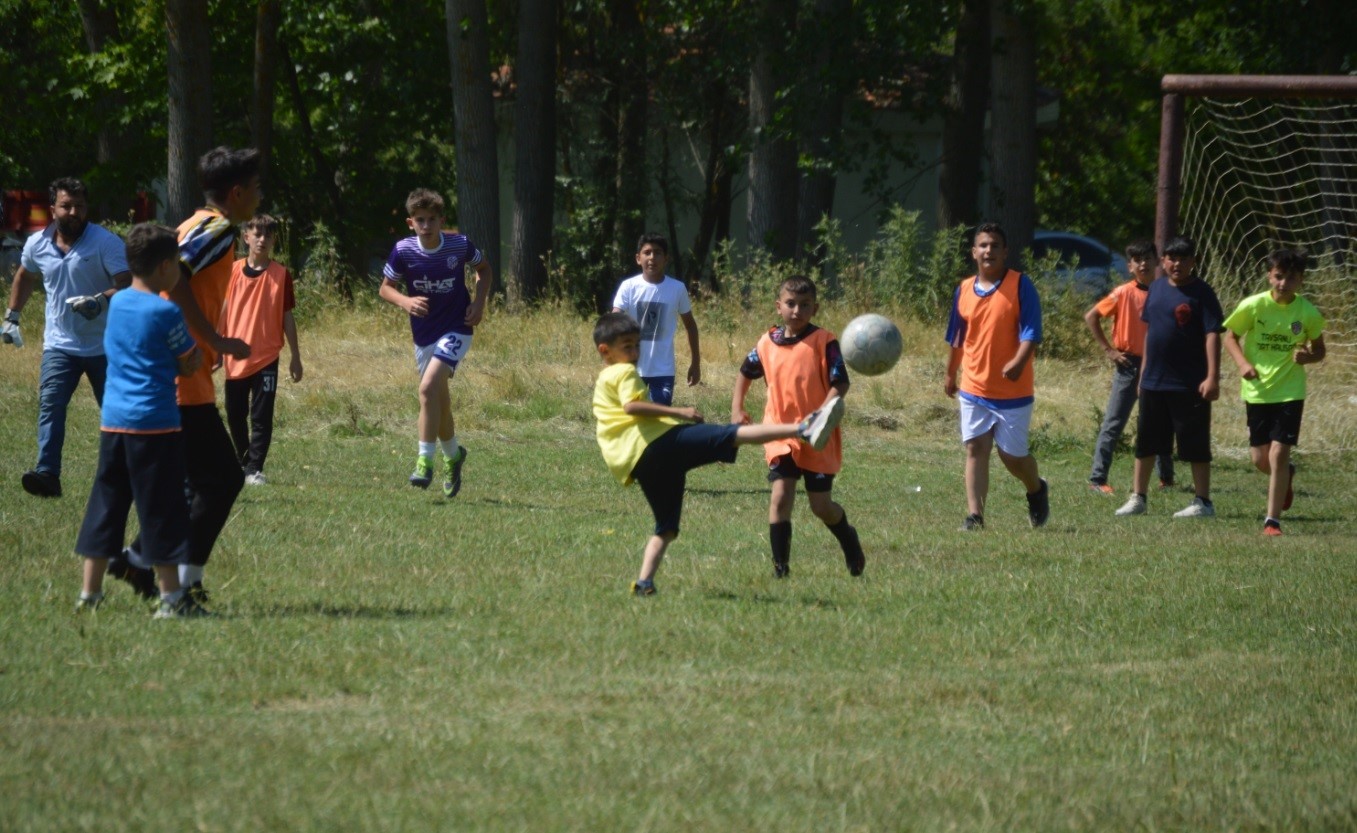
(81, 265)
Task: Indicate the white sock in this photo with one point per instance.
(427, 449)
(90, 597)
(190, 574)
(175, 597)
(449, 447)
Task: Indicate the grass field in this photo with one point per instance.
(386, 660)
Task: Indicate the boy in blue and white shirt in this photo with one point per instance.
(426, 276)
(658, 302)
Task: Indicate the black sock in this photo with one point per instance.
(780, 537)
(847, 535)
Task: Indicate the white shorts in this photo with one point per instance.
(450, 350)
(1010, 425)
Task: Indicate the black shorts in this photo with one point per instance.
(1274, 422)
(1166, 415)
(663, 468)
(785, 468)
(146, 470)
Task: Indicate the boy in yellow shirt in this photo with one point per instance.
(657, 445)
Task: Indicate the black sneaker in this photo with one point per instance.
(973, 523)
(142, 581)
(781, 569)
(1039, 505)
(198, 592)
(187, 608)
(41, 483)
(639, 589)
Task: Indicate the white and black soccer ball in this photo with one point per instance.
(871, 344)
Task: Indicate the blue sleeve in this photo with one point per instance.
(212, 239)
(838, 371)
(113, 251)
(956, 325)
(1212, 316)
(177, 338)
(1029, 310)
(752, 367)
(393, 271)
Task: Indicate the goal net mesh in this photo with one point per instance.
(1266, 173)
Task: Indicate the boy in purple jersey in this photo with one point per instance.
(431, 265)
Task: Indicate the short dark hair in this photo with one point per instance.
(1289, 260)
(1142, 249)
(70, 185)
(261, 224)
(426, 199)
(990, 228)
(613, 325)
(148, 246)
(1181, 246)
(223, 168)
(653, 239)
(798, 285)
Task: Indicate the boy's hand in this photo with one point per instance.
(1118, 358)
(231, 347)
(1301, 356)
(738, 416)
(418, 307)
(949, 385)
(1209, 390)
(1248, 371)
(474, 313)
(295, 368)
(691, 414)
(694, 374)
(1013, 369)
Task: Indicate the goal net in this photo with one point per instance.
(1263, 173)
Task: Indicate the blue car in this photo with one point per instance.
(1088, 264)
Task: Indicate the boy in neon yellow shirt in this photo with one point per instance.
(1281, 332)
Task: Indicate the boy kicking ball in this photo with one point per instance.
(432, 266)
(657, 445)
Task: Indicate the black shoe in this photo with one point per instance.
(41, 483)
(198, 593)
(1039, 505)
(143, 581)
(973, 523)
(781, 569)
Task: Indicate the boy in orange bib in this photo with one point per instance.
(804, 370)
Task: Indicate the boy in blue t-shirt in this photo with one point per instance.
(432, 266)
(141, 455)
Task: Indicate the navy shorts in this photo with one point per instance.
(1169, 414)
(146, 470)
(1274, 422)
(661, 389)
(663, 468)
(785, 468)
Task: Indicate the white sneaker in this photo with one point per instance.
(1198, 508)
(255, 478)
(817, 428)
(1134, 505)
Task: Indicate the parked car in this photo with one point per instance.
(1089, 264)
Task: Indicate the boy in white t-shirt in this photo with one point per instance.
(658, 302)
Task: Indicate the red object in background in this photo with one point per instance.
(25, 211)
(143, 208)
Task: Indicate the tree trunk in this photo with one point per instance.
(715, 186)
(265, 73)
(535, 150)
(633, 174)
(190, 105)
(771, 212)
(100, 24)
(963, 124)
(821, 130)
(473, 109)
(1014, 126)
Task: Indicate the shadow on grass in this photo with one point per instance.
(335, 611)
(693, 491)
(766, 598)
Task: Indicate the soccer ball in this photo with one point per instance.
(871, 344)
